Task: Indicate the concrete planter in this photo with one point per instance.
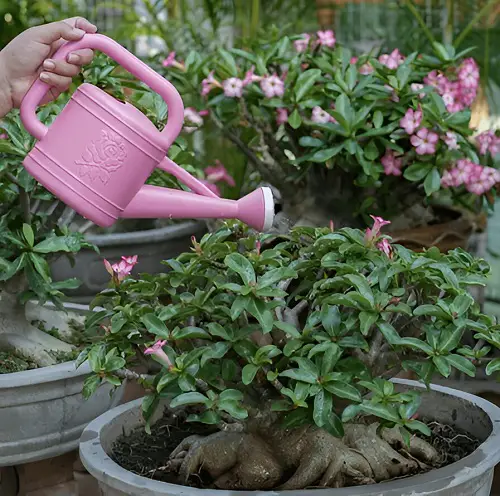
(152, 246)
(472, 476)
(42, 411)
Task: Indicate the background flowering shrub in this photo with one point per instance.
(341, 136)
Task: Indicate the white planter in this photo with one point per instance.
(471, 476)
(42, 411)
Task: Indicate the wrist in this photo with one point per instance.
(5, 90)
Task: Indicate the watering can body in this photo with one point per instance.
(99, 152)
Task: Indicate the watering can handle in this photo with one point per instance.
(129, 62)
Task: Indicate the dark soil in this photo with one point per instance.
(146, 454)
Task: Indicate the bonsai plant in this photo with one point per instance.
(342, 136)
(285, 345)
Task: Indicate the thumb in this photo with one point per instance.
(50, 33)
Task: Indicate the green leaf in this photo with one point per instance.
(248, 373)
(53, 245)
(362, 286)
(287, 328)
(29, 235)
(343, 390)
(294, 119)
(331, 319)
(381, 411)
(432, 182)
(239, 305)
(292, 346)
(309, 141)
(450, 339)
(192, 398)
(390, 334)
(326, 154)
(430, 310)
(322, 407)
(234, 409)
(273, 276)
(417, 171)
(461, 363)
(378, 119)
(305, 82)
(416, 425)
(216, 329)
(366, 320)
(259, 310)
(242, 266)
(300, 375)
(117, 322)
(417, 344)
(190, 332)
(209, 418)
(493, 366)
(155, 326)
(114, 363)
(165, 380)
(442, 365)
(90, 385)
(231, 395)
(229, 62)
(461, 304)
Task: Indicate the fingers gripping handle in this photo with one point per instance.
(129, 62)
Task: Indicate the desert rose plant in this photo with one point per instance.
(342, 136)
(286, 345)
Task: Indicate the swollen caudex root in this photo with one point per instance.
(236, 461)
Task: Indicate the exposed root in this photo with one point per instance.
(300, 458)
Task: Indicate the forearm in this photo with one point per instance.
(5, 96)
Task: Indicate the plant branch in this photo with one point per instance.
(132, 376)
(411, 7)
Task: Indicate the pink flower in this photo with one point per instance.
(393, 60)
(488, 142)
(484, 180)
(272, 86)
(191, 116)
(208, 84)
(374, 232)
(385, 247)
(425, 141)
(411, 120)
(366, 68)
(171, 62)
(450, 140)
(416, 88)
(353, 60)
(122, 269)
(250, 77)
(392, 164)
(320, 116)
(468, 74)
(218, 173)
(3, 136)
(233, 87)
(303, 44)
(281, 116)
(326, 38)
(157, 351)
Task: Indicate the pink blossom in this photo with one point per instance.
(416, 88)
(483, 181)
(374, 232)
(411, 120)
(303, 44)
(486, 142)
(326, 38)
(281, 116)
(450, 140)
(394, 95)
(157, 351)
(233, 87)
(272, 86)
(320, 116)
(191, 116)
(468, 73)
(171, 62)
(218, 173)
(3, 136)
(366, 68)
(353, 60)
(208, 84)
(392, 164)
(425, 141)
(121, 269)
(392, 60)
(385, 247)
(250, 77)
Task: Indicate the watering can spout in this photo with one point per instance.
(255, 209)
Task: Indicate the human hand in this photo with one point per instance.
(27, 57)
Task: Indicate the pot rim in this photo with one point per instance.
(148, 236)
(484, 458)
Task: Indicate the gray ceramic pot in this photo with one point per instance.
(152, 246)
(472, 476)
(42, 411)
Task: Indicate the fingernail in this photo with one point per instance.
(79, 32)
(44, 76)
(73, 58)
(49, 64)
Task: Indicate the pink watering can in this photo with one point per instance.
(99, 152)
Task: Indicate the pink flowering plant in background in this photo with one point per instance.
(353, 133)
